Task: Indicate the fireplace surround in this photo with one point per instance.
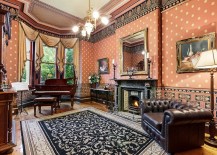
(128, 93)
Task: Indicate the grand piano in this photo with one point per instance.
(56, 88)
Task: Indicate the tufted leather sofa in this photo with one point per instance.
(174, 126)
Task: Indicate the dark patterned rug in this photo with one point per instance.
(85, 132)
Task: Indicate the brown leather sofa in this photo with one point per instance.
(174, 126)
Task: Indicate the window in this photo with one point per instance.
(26, 72)
(68, 66)
(48, 64)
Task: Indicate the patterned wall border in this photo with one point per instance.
(190, 90)
(108, 31)
(166, 4)
(142, 9)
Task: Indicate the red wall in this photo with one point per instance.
(86, 61)
(106, 48)
(191, 19)
(110, 47)
(10, 58)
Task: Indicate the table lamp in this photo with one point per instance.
(208, 60)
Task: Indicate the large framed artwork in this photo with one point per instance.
(188, 52)
(103, 66)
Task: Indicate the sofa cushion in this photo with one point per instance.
(155, 119)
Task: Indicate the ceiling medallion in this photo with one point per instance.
(90, 23)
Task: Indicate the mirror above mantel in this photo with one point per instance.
(133, 53)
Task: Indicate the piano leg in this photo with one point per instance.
(58, 101)
(72, 101)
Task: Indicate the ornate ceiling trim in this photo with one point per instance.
(107, 31)
(131, 15)
(166, 4)
(120, 20)
(44, 29)
(142, 9)
(39, 4)
(137, 12)
(8, 7)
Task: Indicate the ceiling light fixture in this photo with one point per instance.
(90, 23)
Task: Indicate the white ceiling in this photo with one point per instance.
(76, 7)
(63, 14)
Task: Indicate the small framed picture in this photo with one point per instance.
(103, 66)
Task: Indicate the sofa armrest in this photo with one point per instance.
(185, 116)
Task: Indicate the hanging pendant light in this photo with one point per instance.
(90, 23)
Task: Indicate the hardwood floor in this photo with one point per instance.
(65, 106)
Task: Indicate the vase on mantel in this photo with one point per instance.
(93, 85)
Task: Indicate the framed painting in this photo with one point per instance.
(103, 66)
(189, 50)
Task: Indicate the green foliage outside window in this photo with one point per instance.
(48, 65)
(69, 67)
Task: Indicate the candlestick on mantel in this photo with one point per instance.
(149, 65)
(147, 55)
(114, 66)
(113, 61)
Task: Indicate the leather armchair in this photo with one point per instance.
(174, 126)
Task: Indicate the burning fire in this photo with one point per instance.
(136, 103)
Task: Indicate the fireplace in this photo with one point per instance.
(134, 104)
(129, 92)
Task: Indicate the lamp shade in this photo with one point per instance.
(207, 59)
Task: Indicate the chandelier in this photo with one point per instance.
(90, 23)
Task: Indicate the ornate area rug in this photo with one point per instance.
(86, 131)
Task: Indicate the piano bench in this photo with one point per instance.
(45, 101)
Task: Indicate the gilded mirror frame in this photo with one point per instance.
(145, 71)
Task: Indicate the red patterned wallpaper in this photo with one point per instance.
(87, 64)
(10, 58)
(105, 48)
(190, 19)
(110, 47)
(151, 22)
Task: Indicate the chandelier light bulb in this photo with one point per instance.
(90, 23)
(75, 28)
(95, 14)
(83, 33)
(89, 27)
(105, 20)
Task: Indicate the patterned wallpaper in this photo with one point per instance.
(87, 64)
(10, 57)
(110, 46)
(191, 19)
(151, 22)
(106, 48)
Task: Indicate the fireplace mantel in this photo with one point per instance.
(145, 87)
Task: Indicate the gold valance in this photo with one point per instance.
(40, 39)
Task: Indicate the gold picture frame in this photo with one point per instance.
(103, 66)
(187, 50)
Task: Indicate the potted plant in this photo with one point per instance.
(94, 80)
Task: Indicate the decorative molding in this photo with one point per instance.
(137, 12)
(46, 32)
(13, 11)
(108, 31)
(190, 90)
(166, 4)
